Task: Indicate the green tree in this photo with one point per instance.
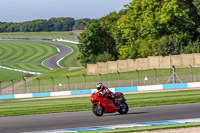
(197, 5)
(94, 41)
(152, 20)
(53, 24)
(81, 24)
(97, 42)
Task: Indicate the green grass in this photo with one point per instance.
(39, 35)
(6, 75)
(83, 103)
(146, 128)
(25, 52)
(63, 72)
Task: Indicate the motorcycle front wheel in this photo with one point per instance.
(97, 111)
(123, 108)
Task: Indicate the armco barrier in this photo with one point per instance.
(191, 85)
(78, 92)
(150, 87)
(42, 94)
(174, 86)
(118, 89)
(126, 89)
(7, 96)
(61, 93)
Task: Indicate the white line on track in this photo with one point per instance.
(106, 127)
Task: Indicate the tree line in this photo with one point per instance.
(144, 28)
(52, 24)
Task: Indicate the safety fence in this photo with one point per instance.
(84, 82)
(118, 89)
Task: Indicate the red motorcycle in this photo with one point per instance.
(104, 104)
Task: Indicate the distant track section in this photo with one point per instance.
(53, 62)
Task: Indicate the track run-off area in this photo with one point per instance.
(68, 120)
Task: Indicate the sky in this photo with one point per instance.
(27, 10)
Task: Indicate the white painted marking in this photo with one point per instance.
(58, 49)
(188, 120)
(126, 125)
(58, 62)
(181, 121)
(61, 40)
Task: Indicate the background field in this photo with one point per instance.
(41, 35)
(15, 53)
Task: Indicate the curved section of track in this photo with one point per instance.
(53, 62)
(87, 119)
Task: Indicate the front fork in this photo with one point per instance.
(98, 104)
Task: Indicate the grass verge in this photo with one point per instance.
(6, 75)
(83, 103)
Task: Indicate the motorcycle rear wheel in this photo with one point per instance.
(97, 111)
(123, 108)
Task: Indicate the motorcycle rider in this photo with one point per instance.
(104, 90)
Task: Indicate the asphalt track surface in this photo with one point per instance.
(66, 120)
(53, 62)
